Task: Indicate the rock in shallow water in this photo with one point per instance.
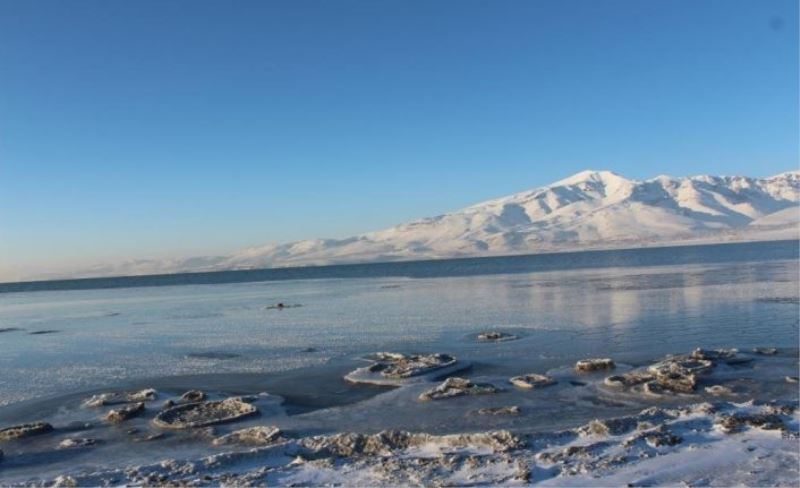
(25, 430)
(125, 413)
(118, 397)
(532, 380)
(394, 365)
(453, 387)
(495, 336)
(191, 415)
(597, 364)
(390, 368)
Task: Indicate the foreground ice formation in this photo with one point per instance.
(191, 415)
(24, 430)
(532, 380)
(589, 365)
(453, 387)
(391, 368)
(679, 374)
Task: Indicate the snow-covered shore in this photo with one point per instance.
(715, 418)
(685, 446)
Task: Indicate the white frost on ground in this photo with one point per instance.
(681, 446)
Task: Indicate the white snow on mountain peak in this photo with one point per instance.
(591, 209)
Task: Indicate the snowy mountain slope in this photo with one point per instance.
(588, 210)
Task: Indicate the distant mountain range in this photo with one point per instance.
(592, 209)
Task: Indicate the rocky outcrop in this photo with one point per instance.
(453, 387)
(191, 415)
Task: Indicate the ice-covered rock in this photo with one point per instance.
(119, 397)
(532, 380)
(402, 366)
(453, 387)
(124, 413)
(394, 368)
(251, 436)
(190, 415)
(24, 430)
(597, 364)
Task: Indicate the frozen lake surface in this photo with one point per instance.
(62, 345)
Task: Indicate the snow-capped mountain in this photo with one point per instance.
(588, 210)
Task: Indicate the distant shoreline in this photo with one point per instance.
(390, 268)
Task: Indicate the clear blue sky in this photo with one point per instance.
(161, 128)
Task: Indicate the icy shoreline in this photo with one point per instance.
(710, 417)
(687, 445)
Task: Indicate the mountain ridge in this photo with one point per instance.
(591, 209)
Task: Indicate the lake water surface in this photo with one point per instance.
(61, 345)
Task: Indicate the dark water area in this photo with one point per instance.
(441, 268)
